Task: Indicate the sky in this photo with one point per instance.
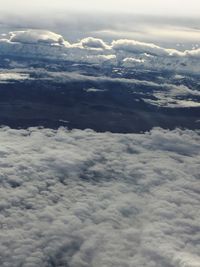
(155, 21)
(81, 198)
(170, 7)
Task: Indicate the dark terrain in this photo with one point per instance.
(116, 106)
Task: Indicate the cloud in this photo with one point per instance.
(193, 53)
(94, 43)
(101, 59)
(8, 76)
(81, 198)
(74, 25)
(35, 37)
(132, 46)
(95, 90)
(130, 61)
(175, 96)
(138, 47)
(127, 53)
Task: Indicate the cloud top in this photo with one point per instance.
(133, 46)
(36, 37)
(82, 198)
(95, 43)
(127, 53)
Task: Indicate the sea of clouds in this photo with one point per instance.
(128, 53)
(86, 199)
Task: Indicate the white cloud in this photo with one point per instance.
(175, 96)
(93, 43)
(138, 47)
(193, 53)
(82, 198)
(95, 90)
(43, 44)
(130, 61)
(6, 76)
(35, 37)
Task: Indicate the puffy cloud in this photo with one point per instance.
(80, 198)
(193, 53)
(93, 43)
(126, 53)
(35, 37)
(138, 47)
(130, 61)
(132, 46)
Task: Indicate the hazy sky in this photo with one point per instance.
(170, 7)
(150, 20)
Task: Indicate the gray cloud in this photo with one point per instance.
(82, 198)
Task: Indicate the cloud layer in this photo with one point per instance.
(83, 199)
(44, 44)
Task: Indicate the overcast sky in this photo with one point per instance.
(170, 7)
(149, 20)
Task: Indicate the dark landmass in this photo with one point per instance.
(106, 104)
(117, 109)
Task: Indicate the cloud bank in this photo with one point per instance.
(45, 44)
(82, 199)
